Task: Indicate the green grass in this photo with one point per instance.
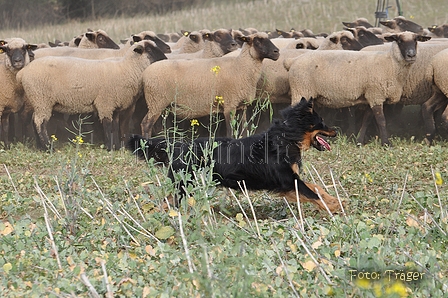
(106, 217)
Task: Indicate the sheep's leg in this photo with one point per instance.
(381, 122)
(125, 120)
(116, 137)
(436, 102)
(147, 125)
(445, 117)
(366, 120)
(108, 133)
(43, 134)
(4, 128)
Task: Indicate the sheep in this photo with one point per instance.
(439, 31)
(217, 44)
(318, 74)
(169, 37)
(192, 42)
(97, 54)
(364, 36)
(401, 24)
(97, 39)
(418, 87)
(439, 98)
(18, 54)
(73, 85)
(274, 81)
(309, 43)
(358, 22)
(219, 84)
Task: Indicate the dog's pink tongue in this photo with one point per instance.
(323, 143)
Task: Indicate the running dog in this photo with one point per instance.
(266, 161)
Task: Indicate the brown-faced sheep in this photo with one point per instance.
(97, 39)
(216, 44)
(418, 87)
(73, 85)
(439, 31)
(439, 99)
(98, 54)
(401, 24)
(191, 42)
(274, 81)
(318, 74)
(18, 54)
(364, 36)
(215, 84)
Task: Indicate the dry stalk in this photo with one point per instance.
(185, 244)
(246, 194)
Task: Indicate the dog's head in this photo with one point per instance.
(307, 126)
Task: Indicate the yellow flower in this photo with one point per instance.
(439, 180)
(219, 99)
(368, 177)
(54, 138)
(194, 122)
(216, 69)
(363, 283)
(397, 288)
(78, 140)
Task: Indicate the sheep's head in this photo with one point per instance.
(100, 39)
(18, 52)
(150, 35)
(153, 53)
(346, 40)
(407, 44)
(261, 46)
(224, 38)
(400, 24)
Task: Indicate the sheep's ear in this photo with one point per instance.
(334, 39)
(2, 42)
(90, 36)
(136, 38)
(31, 47)
(245, 39)
(139, 49)
(423, 38)
(207, 36)
(391, 38)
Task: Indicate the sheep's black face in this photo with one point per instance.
(225, 40)
(159, 42)
(17, 57)
(153, 53)
(265, 48)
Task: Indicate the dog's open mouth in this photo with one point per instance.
(321, 144)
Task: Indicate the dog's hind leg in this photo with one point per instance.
(305, 196)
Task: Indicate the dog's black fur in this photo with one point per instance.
(269, 160)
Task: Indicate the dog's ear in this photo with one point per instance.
(311, 103)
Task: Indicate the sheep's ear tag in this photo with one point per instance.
(186, 33)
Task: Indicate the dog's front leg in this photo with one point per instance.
(308, 193)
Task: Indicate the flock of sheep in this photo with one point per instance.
(199, 72)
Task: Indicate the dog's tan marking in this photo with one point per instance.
(331, 202)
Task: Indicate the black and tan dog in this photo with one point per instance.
(266, 161)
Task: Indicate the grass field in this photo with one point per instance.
(84, 222)
(317, 15)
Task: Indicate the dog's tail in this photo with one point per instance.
(148, 148)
